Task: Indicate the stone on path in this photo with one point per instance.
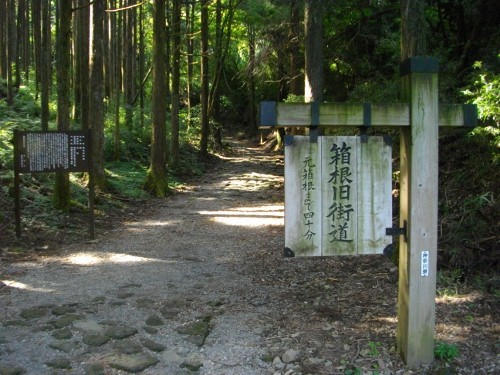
(65, 346)
(154, 320)
(120, 332)
(153, 346)
(95, 339)
(11, 370)
(196, 331)
(62, 334)
(127, 347)
(59, 363)
(132, 363)
(62, 310)
(94, 369)
(66, 320)
(290, 356)
(34, 312)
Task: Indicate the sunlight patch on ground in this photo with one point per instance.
(92, 259)
(248, 216)
(458, 298)
(18, 285)
(252, 181)
(147, 224)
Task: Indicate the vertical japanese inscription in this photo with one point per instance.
(308, 187)
(303, 197)
(341, 210)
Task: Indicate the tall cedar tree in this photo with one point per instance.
(176, 49)
(62, 198)
(97, 93)
(204, 80)
(156, 178)
(314, 79)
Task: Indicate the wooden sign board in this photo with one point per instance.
(338, 195)
(50, 152)
(43, 152)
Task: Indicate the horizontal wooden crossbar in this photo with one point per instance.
(274, 114)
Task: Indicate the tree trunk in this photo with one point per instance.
(46, 66)
(314, 79)
(156, 178)
(3, 39)
(36, 15)
(252, 105)
(204, 80)
(190, 9)
(97, 93)
(413, 28)
(61, 197)
(81, 60)
(129, 49)
(176, 47)
(296, 83)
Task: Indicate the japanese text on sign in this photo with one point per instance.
(52, 152)
(341, 179)
(308, 187)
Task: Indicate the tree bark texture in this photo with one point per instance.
(314, 79)
(62, 198)
(156, 179)
(97, 93)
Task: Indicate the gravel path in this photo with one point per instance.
(163, 295)
(199, 286)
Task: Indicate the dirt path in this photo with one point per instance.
(199, 286)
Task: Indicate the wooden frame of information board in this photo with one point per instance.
(418, 119)
(53, 152)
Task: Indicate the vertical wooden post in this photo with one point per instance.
(418, 207)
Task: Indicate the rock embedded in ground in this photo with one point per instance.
(290, 356)
(65, 346)
(127, 347)
(169, 312)
(120, 332)
(154, 320)
(59, 363)
(62, 334)
(88, 326)
(132, 363)
(66, 320)
(11, 370)
(62, 310)
(153, 346)
(34, 313)
(95, 339)
(94, 369)
(196, 331)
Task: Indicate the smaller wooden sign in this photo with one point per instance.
(337, 196)
(50, 152)
(42, 152)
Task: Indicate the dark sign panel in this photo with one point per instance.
(42, 152)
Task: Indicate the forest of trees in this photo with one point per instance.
(146, 76)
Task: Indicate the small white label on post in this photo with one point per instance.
(424, 270)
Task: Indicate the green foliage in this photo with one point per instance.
(448, 281)
(445, 352)
(21, 116)
(374, 348)
(354, 371)
(486, 94)
(126, 178)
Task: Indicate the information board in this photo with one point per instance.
(338, 195)
(50, 152)
(43, 152)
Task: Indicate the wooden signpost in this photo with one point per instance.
(418, 120)
(49, 152)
